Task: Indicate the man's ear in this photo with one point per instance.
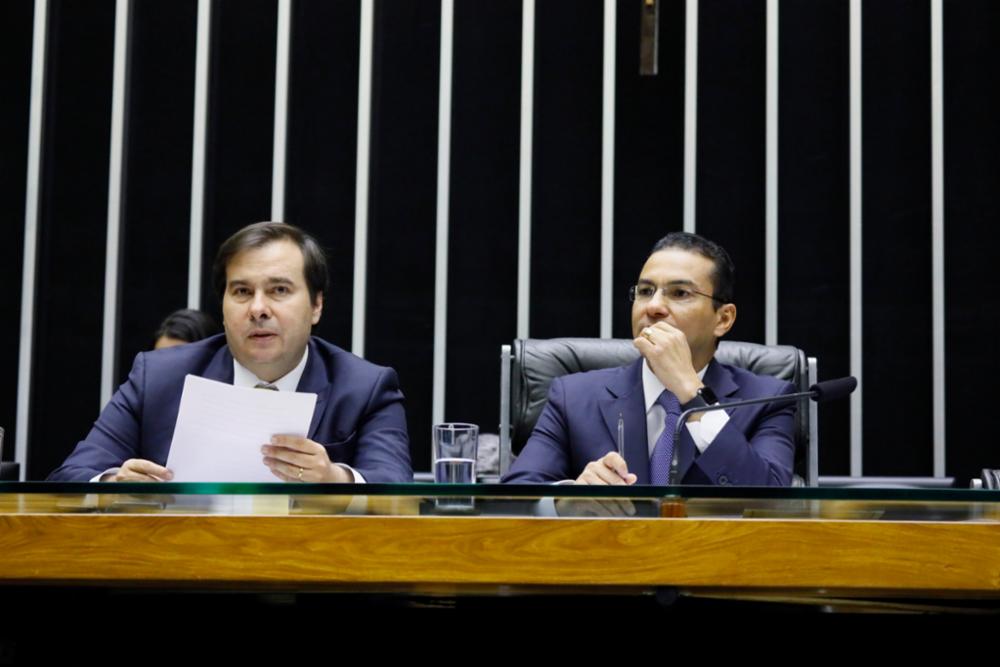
(317, 308)
(725, 318)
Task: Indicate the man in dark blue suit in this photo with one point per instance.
(681, 306)
(271, 277)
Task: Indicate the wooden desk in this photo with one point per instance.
(841, 549)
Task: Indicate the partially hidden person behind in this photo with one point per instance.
(271, 278)
(183, 326)
(682, 304)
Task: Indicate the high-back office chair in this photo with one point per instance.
(528, 367)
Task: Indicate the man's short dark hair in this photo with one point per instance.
(187, 325)
(259, 235)
(723, 272)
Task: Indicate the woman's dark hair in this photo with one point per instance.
(187, 325)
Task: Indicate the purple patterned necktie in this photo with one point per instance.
(663, 452)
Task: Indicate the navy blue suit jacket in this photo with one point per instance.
(359, 414)
(580, 424)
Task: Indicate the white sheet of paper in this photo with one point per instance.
(220, 429)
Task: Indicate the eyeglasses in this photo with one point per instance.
(679, 295)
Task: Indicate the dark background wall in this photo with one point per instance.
(813, 191)
(15, 72)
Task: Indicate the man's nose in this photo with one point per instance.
(658, 306)
(259, 307)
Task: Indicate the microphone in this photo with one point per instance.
(832, 390)
(821, 392)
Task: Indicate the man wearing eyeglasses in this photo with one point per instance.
(681, 306)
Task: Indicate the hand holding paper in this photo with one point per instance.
(221, 428)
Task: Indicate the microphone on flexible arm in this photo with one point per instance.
(821, 392)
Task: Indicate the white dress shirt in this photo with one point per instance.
(703, 432)
(243, 377)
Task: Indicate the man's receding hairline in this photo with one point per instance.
(712, 265)
(280, 239)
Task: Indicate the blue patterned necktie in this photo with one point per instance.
(663, 452)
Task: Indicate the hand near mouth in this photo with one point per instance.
(668, 354)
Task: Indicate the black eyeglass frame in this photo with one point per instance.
(633, 288)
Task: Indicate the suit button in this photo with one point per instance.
(723, 480)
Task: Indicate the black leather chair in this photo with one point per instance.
(529, 366)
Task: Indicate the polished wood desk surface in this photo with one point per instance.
(776, 546)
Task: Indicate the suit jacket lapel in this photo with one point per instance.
(626, 399)
(720, 380)
(220, 368)
(315, 381)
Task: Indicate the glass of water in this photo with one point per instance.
(455, 447)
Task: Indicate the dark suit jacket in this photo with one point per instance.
(580, 424)
(359, 415)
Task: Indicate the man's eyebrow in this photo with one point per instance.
(271, 280)
(679, 281)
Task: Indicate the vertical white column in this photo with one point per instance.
(771, 196)
(202, 52)
(856, 293)
(119, 95)
(31, 201)
(284, 38)
(937, 230)
(524, 187)
(690, 112)
(361, 177)
(608, 168)
(443, 182)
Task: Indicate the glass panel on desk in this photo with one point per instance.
(491, 500)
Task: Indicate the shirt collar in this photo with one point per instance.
(652, 387)
(243, 377)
